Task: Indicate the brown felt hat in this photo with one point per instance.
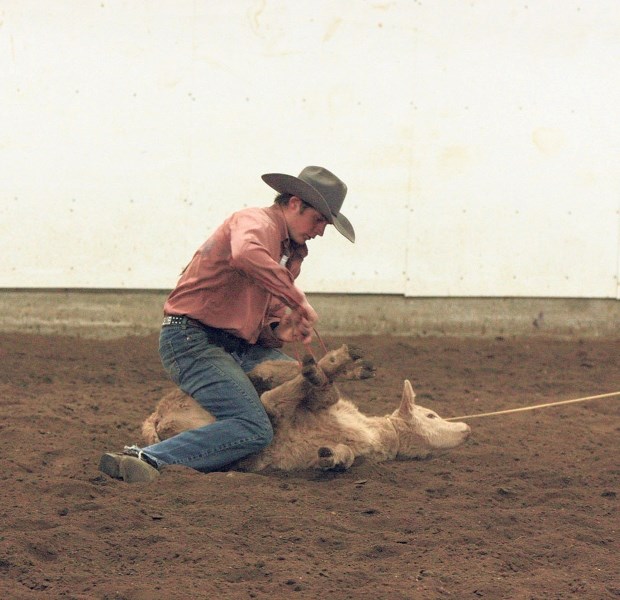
(319, 188)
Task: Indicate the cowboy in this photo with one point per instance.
(233, 307)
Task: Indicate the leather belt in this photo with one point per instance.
(219, 337)
(176, 320)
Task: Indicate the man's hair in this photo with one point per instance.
(282, 200)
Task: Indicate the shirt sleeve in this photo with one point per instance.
(255, 248)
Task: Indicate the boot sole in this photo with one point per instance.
(134, 470)
(110, 464)
(128, 468)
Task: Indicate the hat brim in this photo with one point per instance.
(288, 184)
(343, 225)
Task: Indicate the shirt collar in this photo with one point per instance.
(291, 247)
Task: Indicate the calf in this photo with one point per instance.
(314, 426)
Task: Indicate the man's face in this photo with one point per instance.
(304, 222)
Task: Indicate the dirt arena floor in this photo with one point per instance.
(526, 509)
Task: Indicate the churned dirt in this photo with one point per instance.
(526, 509)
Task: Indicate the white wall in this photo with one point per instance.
(479, 140)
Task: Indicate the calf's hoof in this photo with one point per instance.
(327, 460)
(361, 369)
(355, 352)
(326, 457)
(312, 372)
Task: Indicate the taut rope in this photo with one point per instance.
(524, 408)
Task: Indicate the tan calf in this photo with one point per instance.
(314, 427)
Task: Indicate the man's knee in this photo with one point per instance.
(263, 435)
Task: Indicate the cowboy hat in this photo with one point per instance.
(319, 188)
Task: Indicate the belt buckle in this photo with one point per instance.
(171, 320)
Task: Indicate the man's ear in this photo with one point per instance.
(295, 203)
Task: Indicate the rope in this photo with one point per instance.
(308, 348)
(320, 340)
(523, 408)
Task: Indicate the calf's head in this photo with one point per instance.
(421, 430)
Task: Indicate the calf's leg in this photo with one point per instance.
(336, 458)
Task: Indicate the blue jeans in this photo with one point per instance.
(217, 380)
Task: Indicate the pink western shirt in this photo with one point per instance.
(237, 280)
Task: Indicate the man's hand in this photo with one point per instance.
(297, 325)
(307, 312)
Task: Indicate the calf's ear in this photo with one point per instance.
(408, 401)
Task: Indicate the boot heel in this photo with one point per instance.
(109, 464)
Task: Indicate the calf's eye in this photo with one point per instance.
(431, 416)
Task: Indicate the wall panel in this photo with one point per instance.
(479, 140)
